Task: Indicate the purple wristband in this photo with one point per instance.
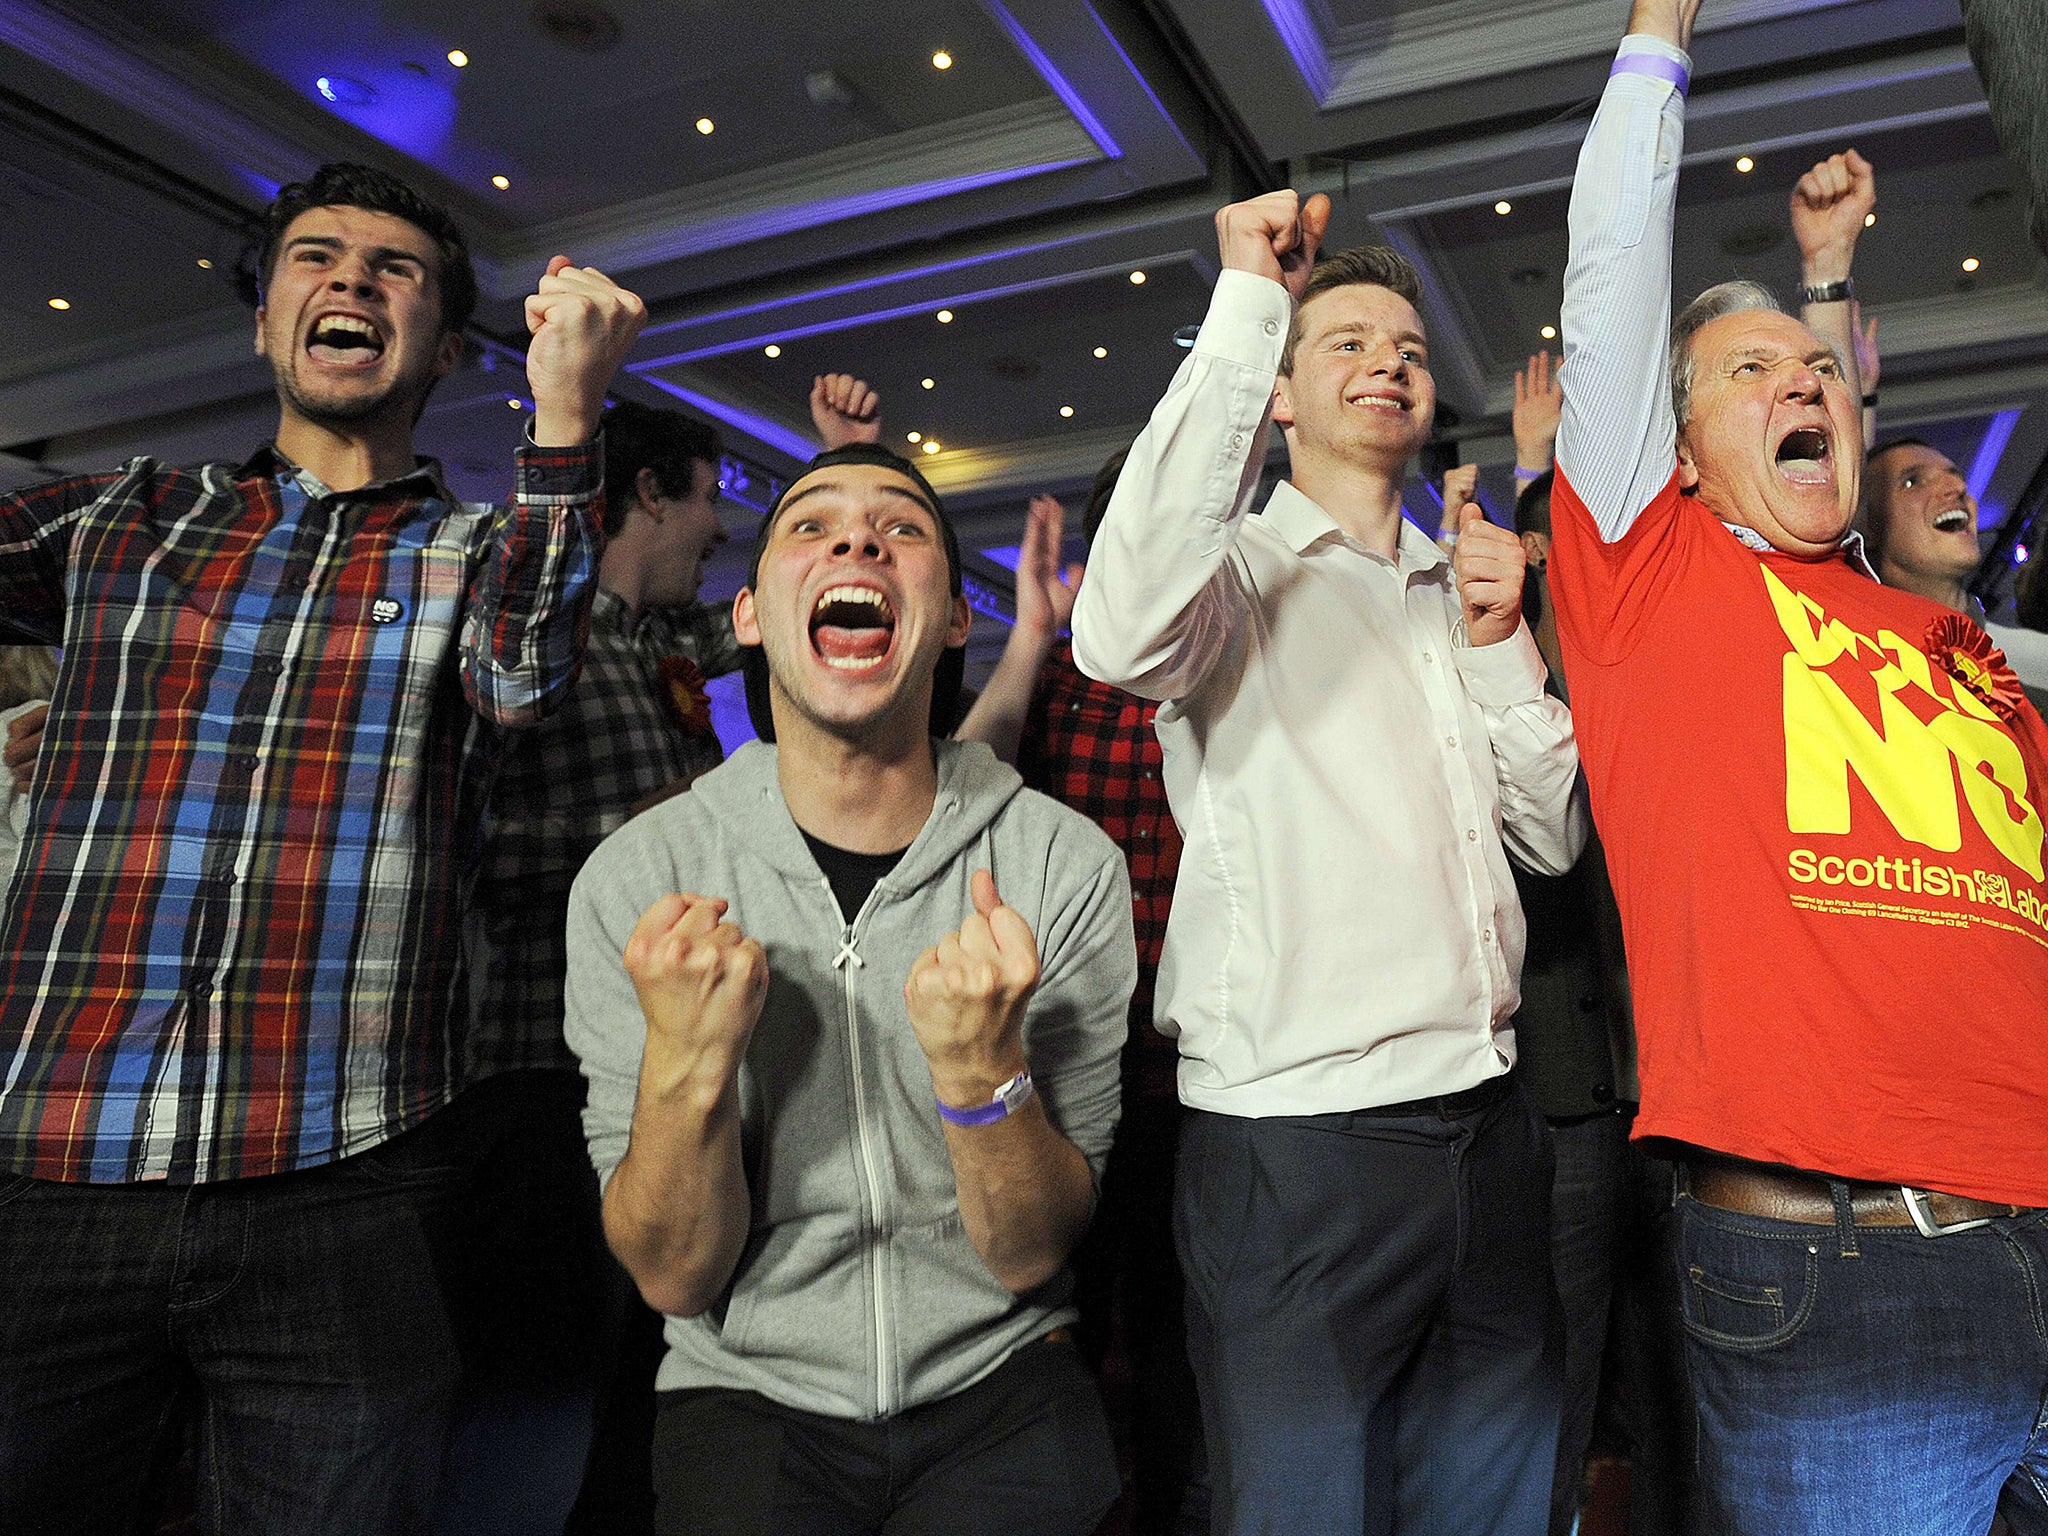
(1008, 1099)
(1654, 65)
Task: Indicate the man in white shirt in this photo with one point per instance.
(1354, 738)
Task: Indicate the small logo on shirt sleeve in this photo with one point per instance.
(387, 610)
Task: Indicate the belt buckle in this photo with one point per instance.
(1921, 1209)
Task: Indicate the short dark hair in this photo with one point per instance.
(1378, 266)
(1097, 506)
(1532, 505)
(638, 437)
(344, 184)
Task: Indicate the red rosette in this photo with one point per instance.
(1962, 650)
(682, 686)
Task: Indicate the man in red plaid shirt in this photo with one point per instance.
(1092, 747)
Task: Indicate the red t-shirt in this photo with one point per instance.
(1827, 853)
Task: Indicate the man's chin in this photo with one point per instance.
(344, 405)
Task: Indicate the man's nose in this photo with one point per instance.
(863, 541)
(352, 275)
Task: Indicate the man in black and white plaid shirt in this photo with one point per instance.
(542, 1297)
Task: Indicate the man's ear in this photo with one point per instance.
(1536, 548)
(746, 624)
(1283, 401)
(447, 354)
(963, 620)
(1688, 467)
(647, 492)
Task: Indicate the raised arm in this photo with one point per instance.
(1617, 440)
(667, 1136)
(1045, 605)
(1829, 205)
(529, 596)
(845, 410)
(1160, 602)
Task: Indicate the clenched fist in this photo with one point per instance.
(1275, 236)
(582, 323)
(1489, 566)
(701, 984)
(967, 995)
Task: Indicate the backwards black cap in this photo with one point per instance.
(952, 667)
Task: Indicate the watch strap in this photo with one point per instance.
(1827, 293)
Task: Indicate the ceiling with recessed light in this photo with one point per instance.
(800, 189)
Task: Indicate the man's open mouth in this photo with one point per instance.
(852, 627)
(1954, 520)
(1381, 402)
(345, 340)
(1805, 456)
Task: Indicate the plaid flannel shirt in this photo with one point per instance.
(232, 940)
(624, 732)
(1092, 747)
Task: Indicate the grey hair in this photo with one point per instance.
(1730, 298)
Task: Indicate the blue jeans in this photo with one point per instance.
(301, 1313)
(1853, 1380)
(1371, 1319)
(1588, 1205)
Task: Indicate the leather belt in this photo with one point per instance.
(1448, 1106)
(1786, 1194)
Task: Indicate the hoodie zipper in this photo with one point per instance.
(846, 963)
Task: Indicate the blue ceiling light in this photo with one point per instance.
(346, 90)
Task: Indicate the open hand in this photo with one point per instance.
(967, 995)
(1489, 566)
(701, 983)
(1276, 236)
(582, 324)
(1539, 405)
(845, 410)
(1045, 593)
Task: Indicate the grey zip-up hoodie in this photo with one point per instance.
(858, 1293)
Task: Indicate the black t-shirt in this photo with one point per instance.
(853, 875)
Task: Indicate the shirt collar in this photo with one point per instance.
(424, 478)
(1302, 523)
(1851, 549)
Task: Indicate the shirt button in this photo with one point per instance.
(202, 990)
(1144, 832)
(1487, 935)
(247, 760)
(1148, 774)
(1237, 439)
(1428, 656)
(1451, 742)
(1074, 708)
(1471, 834)
(1271, 327)
(271, 664)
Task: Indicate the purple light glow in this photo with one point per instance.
(1985, 464)
(1304, 44)
(759, 428)
(1057, 82)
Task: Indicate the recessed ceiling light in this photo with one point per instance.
(1550, 333)
(1869, 219)
(1066, 410)
(705, 125)
(942, 60)
(516, 403)
(1102, 351)
(915, 437)
(1503, 206)
(502, 183)
(60, 303)
(945, 317)
(771, 350)
(458, 58)
(1745, 165)
(930, 445)
(1970, 263)
(926, 383)
(205, 265)
(1137, 277)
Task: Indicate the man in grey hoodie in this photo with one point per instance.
(848, 1102)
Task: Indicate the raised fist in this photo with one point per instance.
(967, 996)
(701, 983)
(1275, 236)
(1489, 566)
(582, 324)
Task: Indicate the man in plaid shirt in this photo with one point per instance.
(540, 1298)
(233, 947)
(1092, 747)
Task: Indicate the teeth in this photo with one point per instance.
(853, 663)
(346, 325)
(1952, 521)
(1380, 403)
(853, 595)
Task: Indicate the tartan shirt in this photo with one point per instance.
(232, 941)
(623, 733)
(1092, 747)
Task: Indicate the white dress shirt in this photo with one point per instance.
(1344, 768)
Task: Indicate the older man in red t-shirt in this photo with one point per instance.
(1818, 797)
